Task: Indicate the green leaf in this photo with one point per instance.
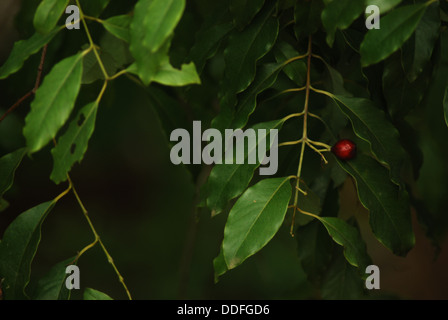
(219, 265)
(22, 50)
(396, 28)
(417, 51)
(342, 281)
(296, 71)
(119, 26)
(390, 217)
(229, 118)
(340, 15)
(53, 102)
(155, 21)
(227, 181)
(18, 248)
(92, 294)
(48, 14)
(370, 124)
(52, 286)
(93, 8)
(348, 236)
(247, 101)
(147, 64)
(243, 11)
(401, 95)
(314, 248)
(255, 219)
(383, 5)
(307, 17)
(8, 167)
(73, 144)
(445, 105)
(246, 48)
(170, 76)
(215, 28)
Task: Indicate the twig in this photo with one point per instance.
(33, 91)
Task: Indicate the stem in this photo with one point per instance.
(304, 133)
(92, 44)
(36, 85)
(290, 143)
(97, 239)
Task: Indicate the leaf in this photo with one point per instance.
(396, 28)
(342, 281)
(371, 125)
(22, 50)
(93, 8)
(155, 21)
(445, 105)
(417, 51)
(8, 167)
(170, 76)
(219, 265)
(119, 26)
(401, 95)
(53, 102)
(215, 28)
(307, 17)
(92, 294)
(247, 101)
(52, 286)
(227, 181)
(18, 248)
(347, 236)
(340, 15)
(73, 144)
(48, 13)
(255, 219)
(243, 11)
(147, 64)
(246, 48)
(389, 217)
(383, 5)
(314, 248)
(237, 119)
(296, 71)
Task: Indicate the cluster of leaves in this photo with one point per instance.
(267, 63)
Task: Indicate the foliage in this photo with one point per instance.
(310, 69)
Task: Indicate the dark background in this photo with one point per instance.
(142, 207)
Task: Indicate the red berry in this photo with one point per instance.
(344, 149)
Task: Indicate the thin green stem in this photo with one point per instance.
(97, 239)
(92, 44)
(290, 143)
(118, 74)
(292, 116)
(329, 94)
(304, 133)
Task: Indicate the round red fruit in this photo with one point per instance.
(344, 149)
